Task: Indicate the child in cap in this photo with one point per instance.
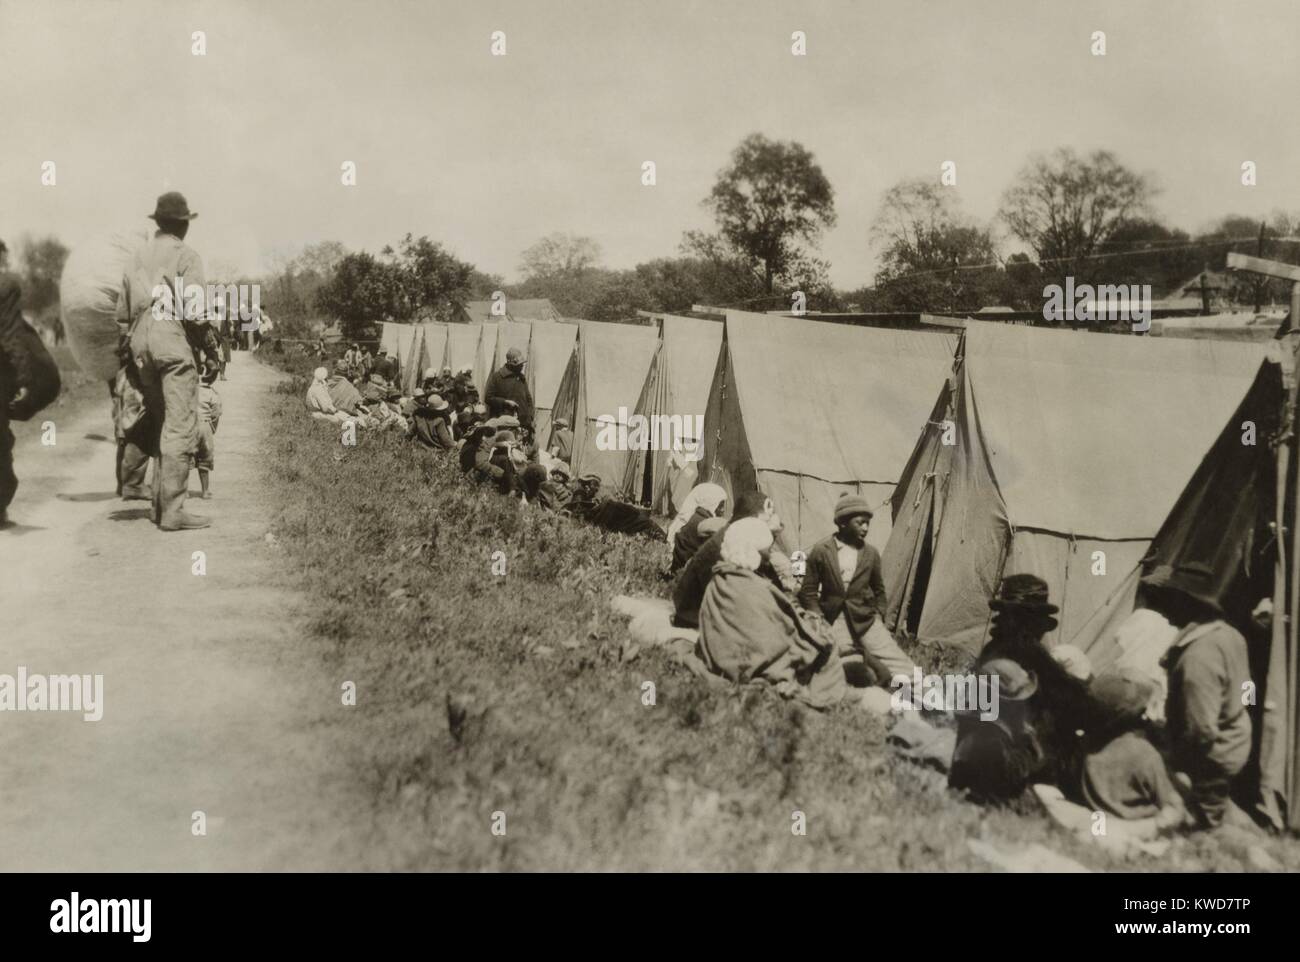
(209, 415)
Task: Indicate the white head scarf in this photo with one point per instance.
(320, 374)
(707, 496)
(745, 542)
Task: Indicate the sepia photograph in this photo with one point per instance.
(559, 437)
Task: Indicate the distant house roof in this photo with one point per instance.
(517, 309)
(1188, 293)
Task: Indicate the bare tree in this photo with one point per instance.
(1065, 206)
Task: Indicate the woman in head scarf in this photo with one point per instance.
(319, 403)
(705, 501)
(750, 631)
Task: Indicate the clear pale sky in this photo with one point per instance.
(487, 154)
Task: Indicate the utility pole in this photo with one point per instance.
(1259, 281)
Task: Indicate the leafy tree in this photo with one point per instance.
(482, 285)
(431, 280)
(771, 196)
(559, 255)
(1066, 207)
(41, 265)
(934, 258)
(361, 292)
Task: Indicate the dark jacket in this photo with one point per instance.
(508, 385)
(688, 540)
(24, 361)
(862, 601)
(688, 593)
(431, 429)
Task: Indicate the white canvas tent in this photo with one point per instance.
(606, 371)
(676, 387)
(808, 410)
(487, 352)
(1066, 451)
(549, 351)
(462, 349)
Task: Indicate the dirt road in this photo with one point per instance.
(212, 704)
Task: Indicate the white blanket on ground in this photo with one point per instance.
(651, 625)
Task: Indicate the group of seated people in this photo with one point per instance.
(1164, 737)
(813, 628)
(1138, 747)
(496, 446)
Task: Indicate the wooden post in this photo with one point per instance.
(1259, 281)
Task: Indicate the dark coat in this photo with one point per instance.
(24, 361)
(688, 593)
(688, 540)
(431, 429)
(508, 385)
(862, 601)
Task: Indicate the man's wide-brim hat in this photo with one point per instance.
(1027, 593)
(1194, 580)
(172, 206)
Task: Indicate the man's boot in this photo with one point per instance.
(175, 476)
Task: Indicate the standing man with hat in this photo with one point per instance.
(843, 576)
(508, 386)
(168, 331)
(1209, 674)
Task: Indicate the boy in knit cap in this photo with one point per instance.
(843, 577)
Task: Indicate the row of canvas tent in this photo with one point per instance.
(480, 347)
(1087, 459)
(1003, 449)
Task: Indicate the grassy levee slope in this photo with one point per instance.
(479, 694)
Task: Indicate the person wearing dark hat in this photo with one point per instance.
(842, 576)
(1208, 665)
(996, 759)
(167, 341)
(1061, 705)
(385, 366)
(463, 392)
(429, 423)
(507, 386)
